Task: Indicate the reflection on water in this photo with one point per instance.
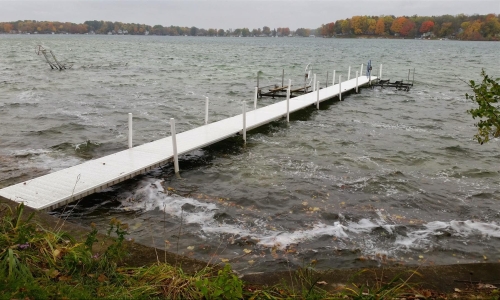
(384, 177)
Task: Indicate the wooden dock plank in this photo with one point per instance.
(59, 188)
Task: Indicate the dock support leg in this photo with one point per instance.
(174, 145)
(244, 121)
(129, 130)
(349, 73)
(333, 82)
(380, 74)
(317, 96)
(361, 70)
(206, 110)
(356, 82)
(340, 87)
(288, 90)
(255, 98)
(314, 83)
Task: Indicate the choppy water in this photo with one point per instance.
(383, 177)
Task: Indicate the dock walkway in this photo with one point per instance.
(56, 189)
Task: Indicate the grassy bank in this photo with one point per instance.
(38, 262)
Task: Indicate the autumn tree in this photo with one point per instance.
(328, 29)
(426, 26)
(7, 28)
(472, 31)
(408, 28)
(491, 26)
(346, 26)
(397, 25)
(371, 26)
(379, 27)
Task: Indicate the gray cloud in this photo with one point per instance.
(231, 14)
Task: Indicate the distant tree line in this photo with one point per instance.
(464, 27)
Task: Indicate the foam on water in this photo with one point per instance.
(152, 196)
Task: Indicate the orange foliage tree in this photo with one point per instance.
(426, 26)
(328, 29)
(407, 28)
(397, 24)
(380, 27)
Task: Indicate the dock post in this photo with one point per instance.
(349, 73)
(129, 130)
(370, 80)
(380, 74)
(255, 98)
(340, 87)
(356, 82)
(288, 91)
(314, 82)
(257, 79)
(174, 145)
(333, 82)
(326, 79)
(361, 70)
(244, 122)
(317, 97)
(206, 110)
(283, 78)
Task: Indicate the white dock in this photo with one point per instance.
(59, 188)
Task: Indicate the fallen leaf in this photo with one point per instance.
(56, 253)
(321, 282)
(190, 247)
(458, 290)
(484, 257)
(102, 278)
(251, 262)
(421, 256)
(247, 251)
(224, 260)
(304, 203)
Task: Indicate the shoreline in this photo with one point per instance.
(440, 278)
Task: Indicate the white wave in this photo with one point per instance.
(152, 196)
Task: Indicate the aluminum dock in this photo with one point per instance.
(56, 189)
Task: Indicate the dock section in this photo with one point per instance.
(56, 189)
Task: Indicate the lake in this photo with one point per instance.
(384, 177)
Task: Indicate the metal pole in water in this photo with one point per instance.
(333, 82)
(244, 121)
(340, 87)
(326, 79)
(288, 91)
(356, 82)
(349, 73)
(130, 130)
(257, 79)
(317, 97)
(361, 70)
(255, 98)
(380, 74)
(283, 78)
(174, 145)
(314, 82)
(206, 110)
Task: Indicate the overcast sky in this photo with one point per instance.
(232, 14)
